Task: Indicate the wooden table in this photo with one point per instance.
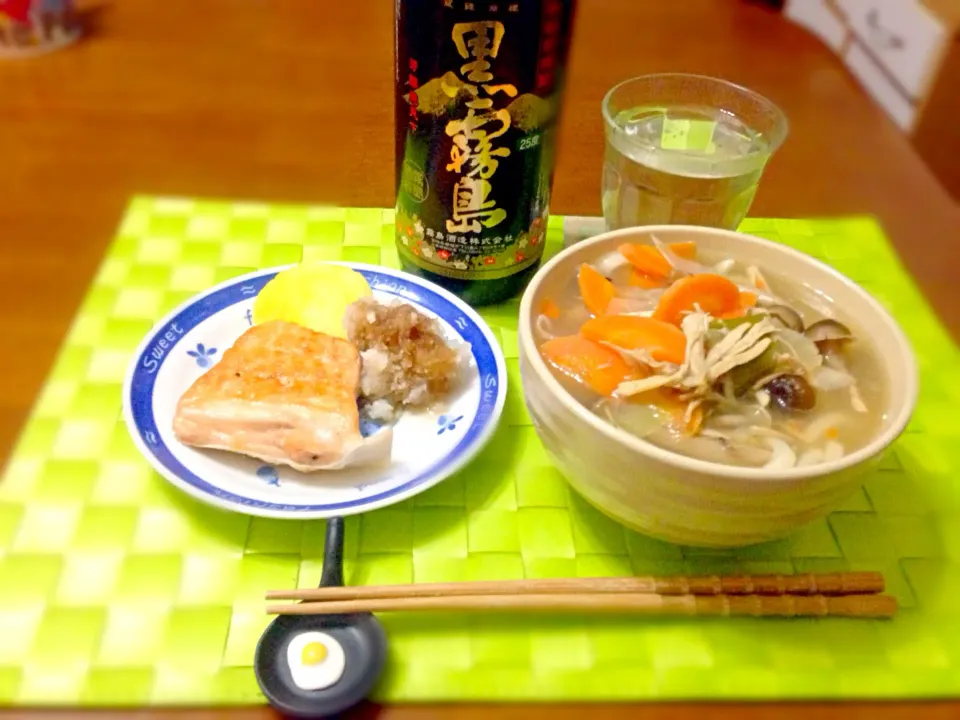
(279, 100)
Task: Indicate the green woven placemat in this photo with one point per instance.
(117, 589)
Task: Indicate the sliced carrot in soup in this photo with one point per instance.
(732, 314)
(595, 289)
(642, 280)
(747, 301)
(648, 259)
(664, 342)
(549, 308)
(598, 367)
(686, 250)
(713, 294)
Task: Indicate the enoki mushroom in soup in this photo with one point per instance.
(711, 357)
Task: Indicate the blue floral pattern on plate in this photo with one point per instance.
(203, 355)
(268, 473)
(447, 424)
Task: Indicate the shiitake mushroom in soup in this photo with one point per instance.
(711, 357)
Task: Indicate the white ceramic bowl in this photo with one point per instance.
(690, 501)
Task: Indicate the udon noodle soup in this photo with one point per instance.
(711, 357)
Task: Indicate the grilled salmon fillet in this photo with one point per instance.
(285, 394)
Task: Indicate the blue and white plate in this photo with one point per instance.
(427, 446)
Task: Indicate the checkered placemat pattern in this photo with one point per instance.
(116, 589)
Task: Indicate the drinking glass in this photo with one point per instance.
(685, 149)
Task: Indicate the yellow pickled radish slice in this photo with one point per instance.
(315, 295)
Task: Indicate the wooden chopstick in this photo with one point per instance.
(803, 584)
(860, 606)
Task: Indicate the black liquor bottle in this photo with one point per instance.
(478, 97)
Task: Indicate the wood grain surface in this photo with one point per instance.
(291, 100)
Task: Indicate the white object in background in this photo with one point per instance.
(898, 107)
(892, 47)
(903, 36)
(819, 19)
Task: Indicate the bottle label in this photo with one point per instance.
(476, 161)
